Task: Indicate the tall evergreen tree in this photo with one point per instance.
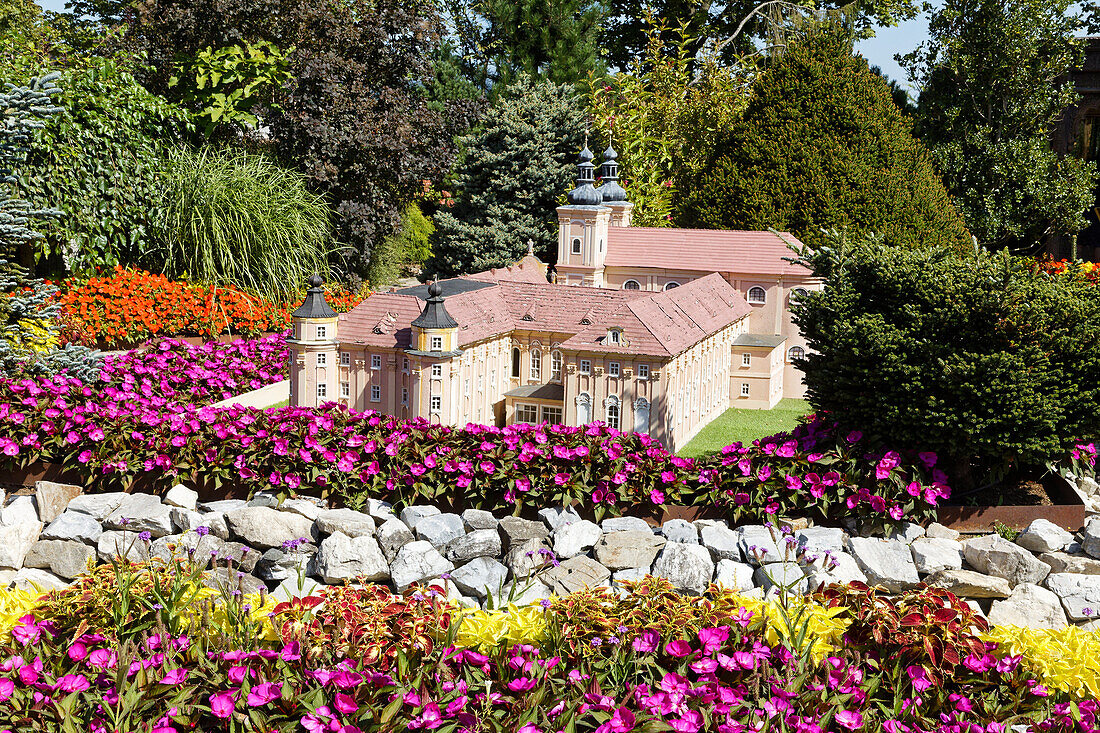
(515, 169)
(822, 145)
(992, 75)
(28, 318)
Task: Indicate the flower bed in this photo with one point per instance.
(127, 306)
(1089, 271)
(360, 659)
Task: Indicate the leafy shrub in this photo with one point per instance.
(410, 244)
(129, 305)
(976, 357)
(235, 219)
(821, 145)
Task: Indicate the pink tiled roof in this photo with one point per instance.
(528, 270)
(752, 253)
(653, 323)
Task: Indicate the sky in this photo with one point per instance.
(879, 51)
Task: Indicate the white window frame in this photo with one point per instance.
(517, 362)
(559, 414)
(322, 359)
(405, 364)
(531, 409)
(791, 353)
(614, 336)
(404, 395)
(577, 245)
(643, 371)
(670, 285)
(745, 390)
(376, 393)
(613, 369)
(322, 391)
(436, 404)
(759, 300)
(345, 358)
(437, 343)
(746, 359)
(585, 366)
(613, 413)
(466, 387)
(322, 332)
(345, 389)
(627, 284)
(375, 361)
(437, 371)
(555, 365)
(534, 370)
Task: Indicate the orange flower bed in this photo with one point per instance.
(1090, 271)
(128, 305)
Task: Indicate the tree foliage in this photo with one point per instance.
(664, 115)
(552, 40)
(228, 218)
(410, 244)
(97, 161)
(992, 75)
(822, 145)
(28, 316)
(516, 166)
(973, 356)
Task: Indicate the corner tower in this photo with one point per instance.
(312, 346)
(582, 229)
(614, 196)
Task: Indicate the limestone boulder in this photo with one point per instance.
(933, 554)
(476, 519)
(722, 542)
(688, 567)
(514, 531)
(392, 536)
(16, 541)
(625, 524)
(1043, 535)
(575, 574)
(528, 557)
(479, 543)
(888, 563)
(347, 522)
(229, 581)
(628, 549)
(265, 527)
(98, 506)
(343, 558)
(221, 506)
(679, 530)
(574, 538)
(1079, 594)
(840, 568)
(141, 513)
(183, 497)
(994, 555)
(781, 575)
(439, 529)
(557, 517)
(1029, 606)
(64, 558)
(308, 508)
(1063, 562)
(417, 562)
(819, 540)
(73, 526)
(52, 498)
(120, 544)
(1090, 539)
(19, 510)
(970, 584)
(758, 545)
(481, 577)
(411, 515)
(734, 575)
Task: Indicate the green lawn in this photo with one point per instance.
(745, 426)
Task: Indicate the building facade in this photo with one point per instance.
(649, 330)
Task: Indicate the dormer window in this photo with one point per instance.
(614, 336)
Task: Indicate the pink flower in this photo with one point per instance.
(849, 719)
(622, 721)
(223, 703)
(345, 703)
(7, 689)
(521, 684)
(174, 677)
(657, 496)
(530, 728)
(73, 683)
(102, 659)
(678, 648)
(919, 676)
(236, 674)
(647, 642)
(713, 639)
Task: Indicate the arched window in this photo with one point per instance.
(796, 352)
(614, 336)
(641, 415)
(515, 362)
(757, 295)
(631, 285)
(577, 246)
(611, 405)
(671, 285)
(536, 364)
(584, 409)
(555, 365)
(798, 294)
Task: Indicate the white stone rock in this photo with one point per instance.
(575, 574)
(687, 567)
(679, 530)
(416, 562)
(215, 522)
(994, 555)
(481, 577)
(73, 526)
(932, 554)
(20, 510)
(1090, 539)
(722, 542)
(51, 498)
(528, 557)
(906, 532)
(479, 543)
(1078, 593)
(411, 515)
(476, 519)
(98, 506)
(346, 521)
(1043, 535)
(818, 540)
(1088, 485)
(264, 498)
(183, 497)
(1030, 606)
(277, 564)
(628, 549)
(440, 529)
(840, 568)
(113, 544)
(296, 587)
(344, 558)
(888, 563)
(1063, 562)
(788, 575)
(305, 507)
(34, 579)
(734, 575)
(392, 536)
(521, 593)
(629, 574)
(516, 530)
(557, 517)
(265, 527)
(16, 541)
(758, 545)
(625, 524)
(970, 584)
(141, 513)
(574, 538)
(64, 558)
(382, 511)
(185, 520)
(222, 506)
(939, 532)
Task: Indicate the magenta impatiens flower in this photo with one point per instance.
(223, 704)
(646, 642)
(849, 719)
(678, 648)
(919, 676)
(174, 677)
(263, 694)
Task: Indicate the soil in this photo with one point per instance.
(1014, 491)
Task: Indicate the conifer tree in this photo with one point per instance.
(28, 318)
(821, 145)
(516, 167)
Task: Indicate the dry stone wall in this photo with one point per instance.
(1046, 578)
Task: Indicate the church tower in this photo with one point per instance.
(312, 348)
(614, 196)
(582, 229)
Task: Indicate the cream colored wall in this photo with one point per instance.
(305, 371)
(589, 224)
(764, 376)
(599, 385)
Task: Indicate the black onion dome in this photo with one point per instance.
(585, 194)
(611, 191)
(315, 305)
(435, 314)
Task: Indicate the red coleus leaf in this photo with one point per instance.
(913, 619)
